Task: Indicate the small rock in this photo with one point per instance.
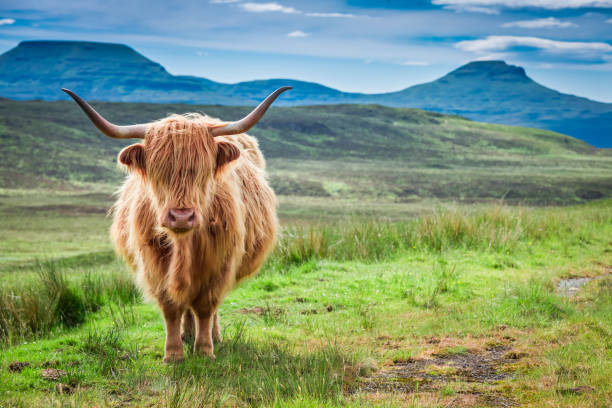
(330, 308)
(18, 366)
(52, 374)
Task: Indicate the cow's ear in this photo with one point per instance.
(133, 157)
(226, 153)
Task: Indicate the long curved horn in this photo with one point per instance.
(109, 129)
(244, 124)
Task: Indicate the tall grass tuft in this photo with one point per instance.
(35, 307)
(494, 228)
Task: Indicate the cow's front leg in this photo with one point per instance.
(216, 331)
(203, 340)
(173, 350)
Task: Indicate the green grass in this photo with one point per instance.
(335, 310)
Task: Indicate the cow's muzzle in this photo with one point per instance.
(180, 220)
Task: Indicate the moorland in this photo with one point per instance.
(424, 260)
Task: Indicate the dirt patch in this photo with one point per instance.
(263, 311)
(429, 373)
(52, 374)
(252, 310)
(473, 373)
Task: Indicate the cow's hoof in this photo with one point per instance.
(206, 351)
(210, 355)
(173, 358)
(217, 338)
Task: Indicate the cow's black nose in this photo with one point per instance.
(181, 219)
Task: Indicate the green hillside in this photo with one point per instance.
(337, 151)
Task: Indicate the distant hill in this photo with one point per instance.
(495, 92)
(490, 91)
(349, 151)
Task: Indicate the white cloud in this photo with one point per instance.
(545, 4)
(276, 7)
(475, 9)
(297, 34)
(6, 21)
(565, 50)
(499, 56)
(415, 63)
(267, 7)
(331, 15)
(609, 21)
(549, 22)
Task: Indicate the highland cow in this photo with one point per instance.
(194, 217)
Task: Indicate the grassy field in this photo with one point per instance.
(420, 304)
(424, 261)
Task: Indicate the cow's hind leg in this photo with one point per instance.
(173, 350)
(188, 327)
(216, 331)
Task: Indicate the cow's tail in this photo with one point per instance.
(178, 282)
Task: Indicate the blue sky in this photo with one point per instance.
(352, 45)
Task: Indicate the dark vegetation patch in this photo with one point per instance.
(64, 209)
(298, 187)
(18, 366)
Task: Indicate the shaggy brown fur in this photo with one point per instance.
(180, 165)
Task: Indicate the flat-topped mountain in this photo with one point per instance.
(490, 91)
